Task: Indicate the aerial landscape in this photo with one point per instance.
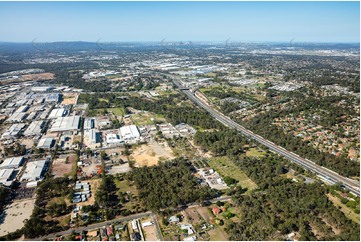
(180, 121)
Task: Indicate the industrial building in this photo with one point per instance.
(93, 135)
(34, 170)
(42, 89)
(89, 123)
(22, 109)
(57, 113)
(46, 143)
(113, 139)
(52, 97)
(16, 117)
(129, 133)
(13, 131)
(6, 177)
(12, 163)
(34, 128)
(70, 123)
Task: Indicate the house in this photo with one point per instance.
(216, 211)
(173, 219)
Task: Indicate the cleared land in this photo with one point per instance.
(13, 217)
(149, 231)
(146, 118)
(254, 152)
(225, 167)
(346, 210)
(69, 98)
(149, 154)
(63, 166)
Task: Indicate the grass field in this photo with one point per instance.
(254, 152)
(225, 167)
(346, 210)
(146, 118)
(99, 112)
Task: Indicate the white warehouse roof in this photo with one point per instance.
(66, 124)
(13, 162)
(34, 128)
(5, 176)
(57, 113)
(46, 143)
(129, 132)
(34, 170)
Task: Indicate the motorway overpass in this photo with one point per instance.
(327, 174)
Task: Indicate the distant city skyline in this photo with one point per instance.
(336, 22)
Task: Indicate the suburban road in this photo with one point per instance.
(97, 225)
(329, 175)
(123, 219)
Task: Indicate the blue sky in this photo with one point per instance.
(180, 21)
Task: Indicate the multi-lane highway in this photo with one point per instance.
(327, 174)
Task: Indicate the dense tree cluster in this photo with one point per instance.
(223, 142)
(281, 206)
(167, 106)
(169, 185)
(37, 225)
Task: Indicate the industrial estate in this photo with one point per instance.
(179, 141)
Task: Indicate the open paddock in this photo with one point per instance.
(63, 166)
(14, 215)
(149, 154)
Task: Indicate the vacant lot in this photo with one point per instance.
(254, 152)
(115, 169)
(13, 217)
(346, 210)
(36, 77)
(149, 231)
(193, 215)
(29, 143)
(149, 154)
(63, 166)
(217, 234)
(69, 98)
(205, 213)
(225, 167)
(146, 118)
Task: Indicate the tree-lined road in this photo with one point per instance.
(327, 174)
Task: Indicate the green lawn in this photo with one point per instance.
(225, 167)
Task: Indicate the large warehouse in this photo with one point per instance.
(12, 162)
(34, 170)
(57, 113)
(34, 128)
(70, 123)
(129, 133)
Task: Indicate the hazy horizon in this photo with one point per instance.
(247, 22)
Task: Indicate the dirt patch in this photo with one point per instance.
(37, 77)
(205, 213)
(14, 215)
(63, 165)
(193, 215)
(151, 153)
(217, 234)
(149, 231)
(27, 142)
